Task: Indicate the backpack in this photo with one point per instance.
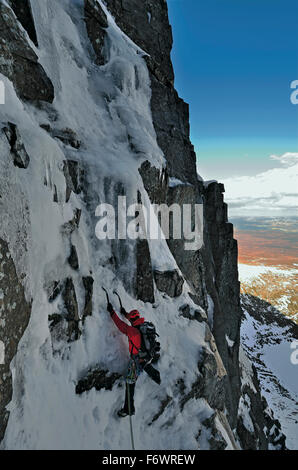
(150, 347)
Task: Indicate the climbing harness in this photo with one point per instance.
(133, 371)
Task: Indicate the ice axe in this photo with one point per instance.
(122, 310)
(108, 300)
(116, 293)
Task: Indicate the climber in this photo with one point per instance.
(135, 363)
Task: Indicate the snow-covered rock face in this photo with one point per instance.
(18, 60)
(270, 339)
(96, 118)
(14, 317)
(257, 427)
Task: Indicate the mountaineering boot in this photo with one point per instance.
(123, 412)
(130, 391)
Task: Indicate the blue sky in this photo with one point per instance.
(234, 61)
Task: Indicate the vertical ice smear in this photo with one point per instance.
(2, 93)
(2, 353)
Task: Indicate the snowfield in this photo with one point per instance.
(249, 272)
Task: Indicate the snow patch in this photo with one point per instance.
(2, 352)
(229, 342)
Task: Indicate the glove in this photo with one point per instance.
(110, 308)
(123, 311)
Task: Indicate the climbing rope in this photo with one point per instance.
(130, 418)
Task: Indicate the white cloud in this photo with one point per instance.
(271, 193)
(287, 159)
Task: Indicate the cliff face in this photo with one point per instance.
(92, 114)
(213, 271)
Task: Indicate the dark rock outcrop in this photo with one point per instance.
(23, 13)
(88, 285)
(169, 282)
(96, 23)
(21, 158)
(144, 288)
(163, 405)
(71, 305)
(73, 259)
(144, 280)
(20, 63)
(171, 121)
(193, 314)
(55, 194)
(67, 136)
(150, 29)
(220, 254)
(15, 315)
(98, 379)
(190, 262)
(74, 175)
(66, 324)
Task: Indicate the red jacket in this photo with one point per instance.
(133, 334)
